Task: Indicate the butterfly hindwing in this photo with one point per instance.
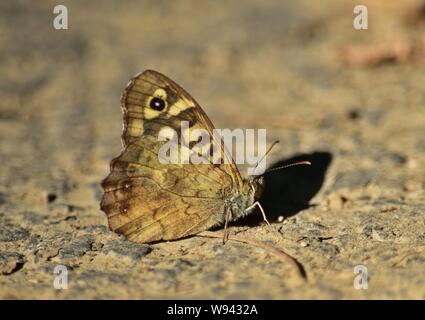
(148, 201)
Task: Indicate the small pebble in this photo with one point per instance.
(304, 244)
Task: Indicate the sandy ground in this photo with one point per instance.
(351, 101)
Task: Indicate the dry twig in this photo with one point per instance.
(282, 255)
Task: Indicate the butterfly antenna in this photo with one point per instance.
(267, 152)
(289, 165)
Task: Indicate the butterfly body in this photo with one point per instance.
(147, 200)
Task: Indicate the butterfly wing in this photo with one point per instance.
(147, 200)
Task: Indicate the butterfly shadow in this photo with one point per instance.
(289, 190)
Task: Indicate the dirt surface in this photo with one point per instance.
(351, 101)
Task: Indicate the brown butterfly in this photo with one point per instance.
(146, 200)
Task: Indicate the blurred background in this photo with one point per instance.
(352, 99)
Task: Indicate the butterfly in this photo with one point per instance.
(149, 201)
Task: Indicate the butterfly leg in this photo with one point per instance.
(257, 204)
(226, 232)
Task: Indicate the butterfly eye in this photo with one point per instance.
(157, 104)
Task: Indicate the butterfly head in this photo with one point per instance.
(255, 186)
